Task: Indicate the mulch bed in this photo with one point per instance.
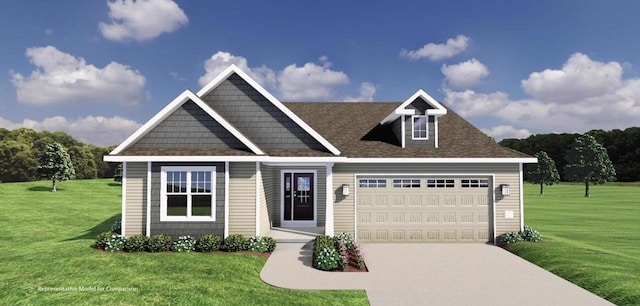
(353, 266)
(263, 255)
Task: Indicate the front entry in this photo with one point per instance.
(298, 199)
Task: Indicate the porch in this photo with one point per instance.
(295, 234)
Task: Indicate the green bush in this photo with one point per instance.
(115, 243)
(326, 259)
(235, 243)
(184, 244)
(116, 227)
(508, 238)
(271, 244)
(257, 244)
(529, 234)
(346, 237)
(101, 240)
(159, 243)
(136, 243)
(322, 242)
(208, 243)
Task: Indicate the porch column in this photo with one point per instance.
(328, 225)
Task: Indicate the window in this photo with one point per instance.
(420, 127)
(474, 183)
(188, 194)
(372, 183)
(440, 183)
(406, 183)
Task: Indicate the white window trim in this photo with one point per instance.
(163, 193)
(413, 127)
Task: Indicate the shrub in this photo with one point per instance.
(115, 243)
(326, 259)
(358, 254)
(323, 242)
(101, 240)
(529, 234)
(184, 244)
(136, 243)
(508, 238)
(235, 243)
(208, 243)
(159, 243)
(346, 237)
(257, 244)
(344, 256)
(116, 227)
(271, 244)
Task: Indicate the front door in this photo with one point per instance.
(298, 199)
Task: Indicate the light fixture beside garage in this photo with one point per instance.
(504, 188)
(345, 189)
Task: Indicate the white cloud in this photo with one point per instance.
(367, 91)
(48, 31)
(309, 82)
(506, 131)
(466, 74)
(436, 52)
(579, 78)
(92, 129)
(584, 95)
(469, 103)
(222, 60)
(64, 78)
(142, 19)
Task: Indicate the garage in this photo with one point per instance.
(424, 209)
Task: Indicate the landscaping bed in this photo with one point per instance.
(341, 253)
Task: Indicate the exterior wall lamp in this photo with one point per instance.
(345, 189)
(504, 188)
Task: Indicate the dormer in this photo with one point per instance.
(415, 121)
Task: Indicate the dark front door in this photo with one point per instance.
(298, 196)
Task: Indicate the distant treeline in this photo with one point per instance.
(21, 148)
(623, 148)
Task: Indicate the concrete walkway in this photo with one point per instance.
(431, 274)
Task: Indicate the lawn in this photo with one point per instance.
(46, 245)
(593, 242)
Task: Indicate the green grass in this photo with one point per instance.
(46, 243)
(593, 242)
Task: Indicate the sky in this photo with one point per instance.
(100, 69)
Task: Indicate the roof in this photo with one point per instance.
(355, 129)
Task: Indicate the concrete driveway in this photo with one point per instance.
(431, 274)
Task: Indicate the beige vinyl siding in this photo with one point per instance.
(344, 212)
(275, 203)
(242, 198)
(136, 199)
(265, 223)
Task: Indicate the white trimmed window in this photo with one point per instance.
(188, 194)
(420, 127)
(372, 183)
(406, 183)
(474, 183)
(440, 183)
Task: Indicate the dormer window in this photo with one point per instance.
(420, 127)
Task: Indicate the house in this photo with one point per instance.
(232, 159)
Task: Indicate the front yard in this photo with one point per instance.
(592, 242)
(47, 259)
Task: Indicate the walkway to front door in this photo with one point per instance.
(298, 198)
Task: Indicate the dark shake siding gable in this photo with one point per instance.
(424, 143)
(257, 118)
(189, 127)
(179, 228)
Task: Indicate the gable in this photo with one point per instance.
(420, 106)
(189, 127)
(258, 118)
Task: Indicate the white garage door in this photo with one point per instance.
(424, 209)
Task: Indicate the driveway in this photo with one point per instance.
(431, 274)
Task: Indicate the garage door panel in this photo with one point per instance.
(423, 214)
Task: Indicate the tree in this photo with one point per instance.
(17, 162)
(55, 165)
(588, 162)
(83, 161)
(545, 173)
(117, 175)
